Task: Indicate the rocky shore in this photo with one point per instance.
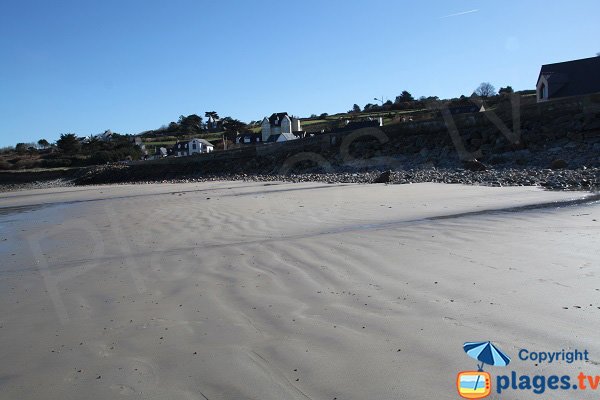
(583, 179)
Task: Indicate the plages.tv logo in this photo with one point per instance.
(478, 384)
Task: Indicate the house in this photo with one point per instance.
(248, 138)
(159, 152)
(569, 78)
(279, 124)
(106, 136)
(194, 146)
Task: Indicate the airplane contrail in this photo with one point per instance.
(460, 13)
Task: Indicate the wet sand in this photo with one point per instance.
(241, 290)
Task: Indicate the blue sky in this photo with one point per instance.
(87, 66)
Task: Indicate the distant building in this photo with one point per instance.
(138, 142)
(194, 146)
(107, 136)
(569, 78)
(160, 152)
(248, 138)
(279, 124)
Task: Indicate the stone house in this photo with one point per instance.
(279, 124)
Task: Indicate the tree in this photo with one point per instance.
(404, 97)
(212, 114)
(21, 148)
(68, 143)
(356, 108)
(43, 143)
(191, 124)
(323, 116)
(506, 90)
(93, 145)
(232, 127)
(485, 89)
(369, 107)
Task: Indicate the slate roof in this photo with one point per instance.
(275, 118)
(572, 78)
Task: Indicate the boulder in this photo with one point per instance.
(384, 177)
(558, 164)
(474, 165)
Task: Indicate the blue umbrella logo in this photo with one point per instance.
(487, 353)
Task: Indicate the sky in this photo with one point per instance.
(133, 65)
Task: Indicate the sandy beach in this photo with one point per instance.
(247, 290)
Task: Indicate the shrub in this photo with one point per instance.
(4, 165)
(26, 164)
(55, 163)
(101, 157)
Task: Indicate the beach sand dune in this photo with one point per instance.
(242, 290)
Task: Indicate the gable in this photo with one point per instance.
(571, 78)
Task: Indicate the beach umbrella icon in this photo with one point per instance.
(487, 353)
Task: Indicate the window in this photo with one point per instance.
(194, 146)
(543, 91)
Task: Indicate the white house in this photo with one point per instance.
(194, 146)
(279, 127)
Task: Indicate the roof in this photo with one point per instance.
(287, 136)
(275, 118)
(203, 141)
(571, 78)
